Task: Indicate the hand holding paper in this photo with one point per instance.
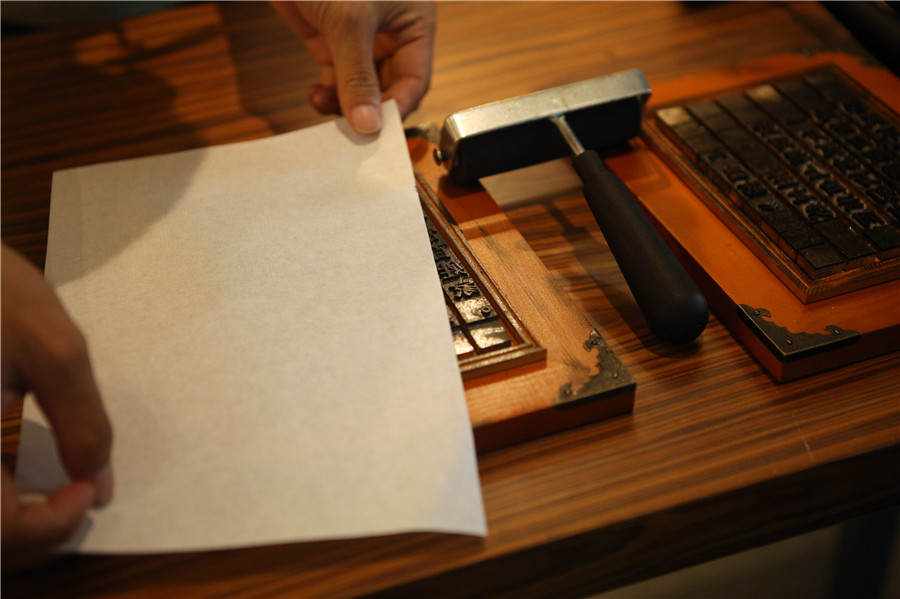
(268, 331)
(43, 352)
(368, 51)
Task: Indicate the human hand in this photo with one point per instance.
(43, 352)
(353, 40)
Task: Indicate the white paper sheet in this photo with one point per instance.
(268, 333)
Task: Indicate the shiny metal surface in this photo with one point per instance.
(540, 105)
(567, 133)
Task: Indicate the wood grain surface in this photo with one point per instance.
(715, 458)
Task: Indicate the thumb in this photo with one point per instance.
(358, 90)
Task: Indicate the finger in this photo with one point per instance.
(34, 528)
(53, 521)
(358, 90)
(43, 351)
(322, 95)
(407, 91)
(411, 78)
(324, 99)
(407, 59)
(65, 388)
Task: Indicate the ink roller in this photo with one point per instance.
(596, 114)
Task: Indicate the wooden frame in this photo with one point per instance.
(790, 338)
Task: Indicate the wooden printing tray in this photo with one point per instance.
(557, 372)
(791, 339)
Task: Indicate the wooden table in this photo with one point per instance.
(715, 458)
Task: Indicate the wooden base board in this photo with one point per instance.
(580, 380)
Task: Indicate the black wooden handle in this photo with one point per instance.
(674, 308)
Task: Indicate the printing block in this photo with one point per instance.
(532, 363)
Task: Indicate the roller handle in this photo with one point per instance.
(674, 308)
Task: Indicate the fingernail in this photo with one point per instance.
(103, 485)
(365, 118)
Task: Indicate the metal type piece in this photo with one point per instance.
(470, 304)
(461, 343)
(789, 346)
(501, 136)
(487, 336)
(454, 321)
